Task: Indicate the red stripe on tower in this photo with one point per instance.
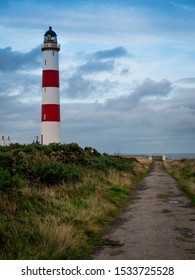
(50, 78)
(50, 115)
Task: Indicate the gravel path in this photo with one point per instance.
(158, 224)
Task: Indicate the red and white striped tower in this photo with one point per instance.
(50, 119)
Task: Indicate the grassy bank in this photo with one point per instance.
(56, 200)
(183, 170)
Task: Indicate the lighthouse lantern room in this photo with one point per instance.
(50, 111)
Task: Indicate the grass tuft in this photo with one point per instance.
(183, 170)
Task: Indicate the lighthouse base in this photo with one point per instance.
(50, 132)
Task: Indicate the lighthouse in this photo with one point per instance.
(50, 111)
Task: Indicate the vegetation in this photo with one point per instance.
(183, 170)
(56, 200)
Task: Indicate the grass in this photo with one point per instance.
(183, 170)
(43, 216)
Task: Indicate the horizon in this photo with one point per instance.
(177, 154)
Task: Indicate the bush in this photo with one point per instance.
(54, 163)
(9, 181)
(72, 173)
(6, 160)
(48, 173)
(5, 179)
(56, 172)
(106, 162)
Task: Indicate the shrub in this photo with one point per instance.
(55, 172)
(72, 173)
(5, 179)
(91, 151)
(48, 173)
(9, 181)
(6, 160)
(106, 162)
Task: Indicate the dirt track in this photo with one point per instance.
(159, 223)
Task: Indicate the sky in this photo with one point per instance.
(127, 72)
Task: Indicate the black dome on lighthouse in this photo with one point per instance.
(50, 41)
(50, 32)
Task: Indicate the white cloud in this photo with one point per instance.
(163, 125)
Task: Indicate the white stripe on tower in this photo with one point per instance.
(50, 119)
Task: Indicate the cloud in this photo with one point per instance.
(124, 124)
(77, 87)
(99, 66)
(190, 80)
(96, 67)
(186, 7)
(21, 121)
(13, 60)
(113, 53)
(24, 85)
(102, 61)
(158, 125)
(141, 114)
(125, 71)
(148, 89)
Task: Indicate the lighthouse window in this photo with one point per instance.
(45, 61)
(44, 117)
(45, 89)
(53, 53)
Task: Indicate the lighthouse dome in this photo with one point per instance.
(50, 41)
(50, 32)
